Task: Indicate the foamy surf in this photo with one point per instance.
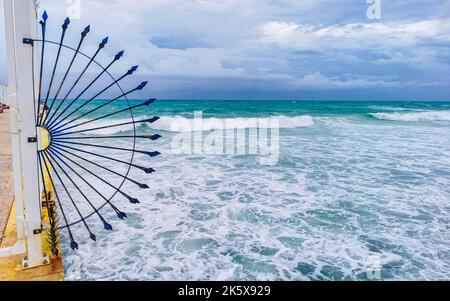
(416, 116)
(326, 211)
(182, 124)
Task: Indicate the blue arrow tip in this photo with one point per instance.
(66, 23)
(119, 55)
(121, 215)
(132, 69)
(149, 170)
(142, 85)
(74, 245)
(45, 16)
(154, 119)
(105, 40)
(86, 30)
(155, 137)
(149, 102)
(108, 227)
(153, 154)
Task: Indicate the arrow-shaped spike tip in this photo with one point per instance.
(142, 85)
(148, 170)
(45, 16)
(155, 137)
(149, 102)
(86, 30)
(74, 245)
(134, 201)
(153, 119)
(131, 199)
(119, 55)
(93, 237)
(143, 186)
(132, 70)
(153, 154)
(121, 215)
(107, 226)
(66, 23)
(103, 43)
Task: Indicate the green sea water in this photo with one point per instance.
(364, 184)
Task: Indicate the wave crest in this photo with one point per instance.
(414, 117)
(182, 124)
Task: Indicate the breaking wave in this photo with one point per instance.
(182, 124)
(416, 116)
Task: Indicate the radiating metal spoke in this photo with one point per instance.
(55, 66)
(147, 103)
(43, 29)
(92, 59)
(140, 87)
(145, 169)
(77, 51)
(150, 120)
(106, 225)
(71, 162)
(73, 243)
(151, 137)
(129, 72)
(83, 220)
(116, 58)
(46, 196)
(131, 199)
(151, 154)
(120, 214)
(141, 185)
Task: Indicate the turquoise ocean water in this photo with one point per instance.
(356, 183)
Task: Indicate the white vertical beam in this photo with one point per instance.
(11, 102)
(20, 19)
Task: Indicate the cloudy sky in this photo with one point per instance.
(270, 49)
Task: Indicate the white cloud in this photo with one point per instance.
(355, 36)
(316, 80)
(294, 44)
(195, 66)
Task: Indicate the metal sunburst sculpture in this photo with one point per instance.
(72, 138)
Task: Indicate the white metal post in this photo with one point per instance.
(20, 21)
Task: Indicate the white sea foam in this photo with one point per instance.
(391, 108)
(182, 124)
(351, 191)
(103, 126)
(166, 123)
(416, 116)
